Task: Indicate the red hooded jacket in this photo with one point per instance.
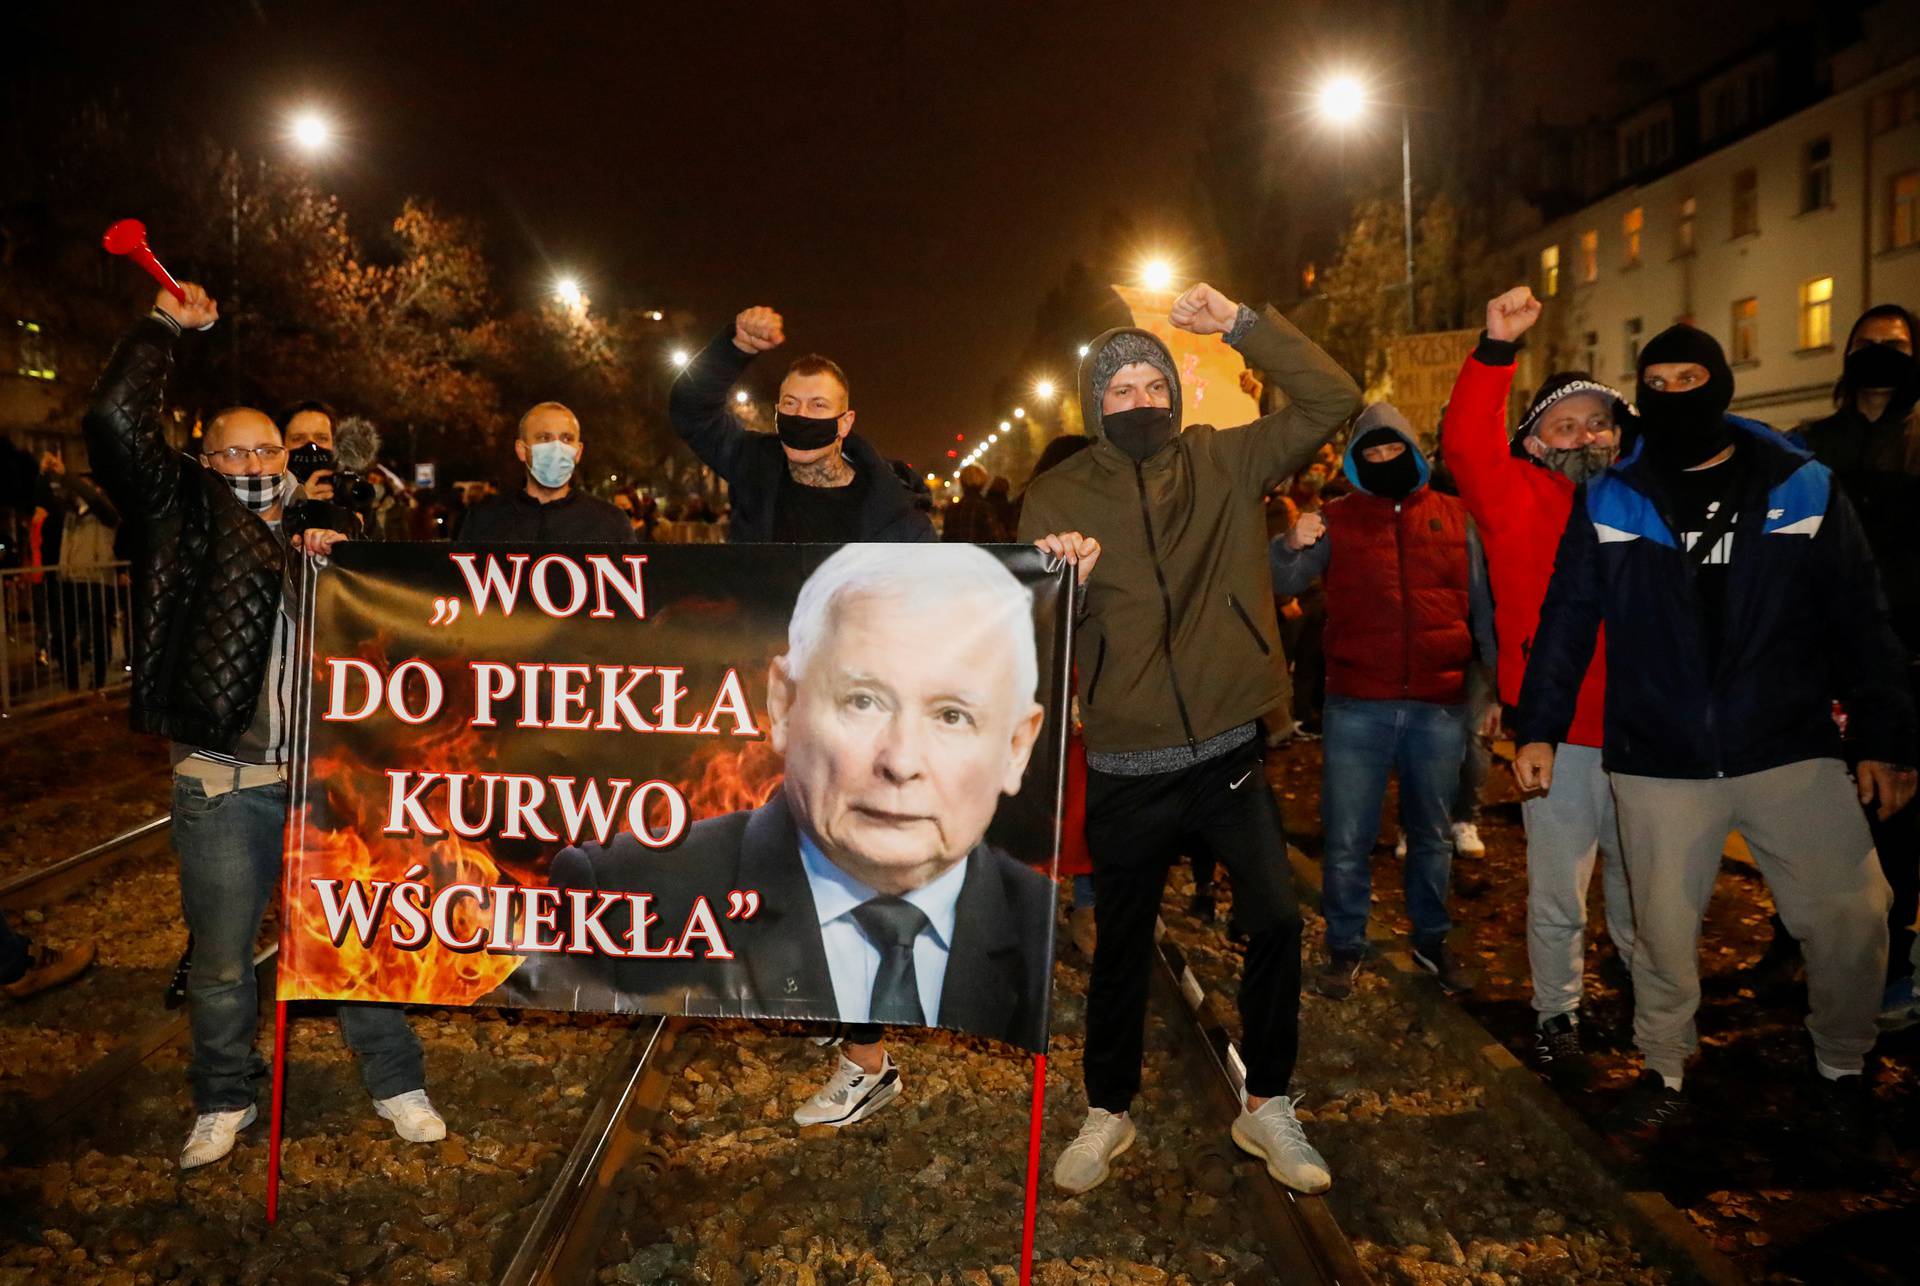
(1520, 509)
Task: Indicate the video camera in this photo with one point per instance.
(357, 446)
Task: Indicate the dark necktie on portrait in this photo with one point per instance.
(892, 924)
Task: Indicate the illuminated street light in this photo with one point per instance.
(1156, 274)
(1019, 412)
(311, 131)
(740, 396)
(567, 291)
(1006, 426)
(1341, 99)
(1083, 350)
(992, 438)
(681, 357)
(1043, 389)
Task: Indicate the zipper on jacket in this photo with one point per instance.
(1712, 666)
(1166, 604)
(1406, 608)
(1247, 621)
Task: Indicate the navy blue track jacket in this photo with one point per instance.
(1805, 625)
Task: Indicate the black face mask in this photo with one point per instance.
(1880, 366)
(807, 432)
(1139, 432)
(1682, 430)
(1393, 479)
(308, 459)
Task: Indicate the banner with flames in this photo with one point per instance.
(778, 782)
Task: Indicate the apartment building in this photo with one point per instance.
(1769, 203)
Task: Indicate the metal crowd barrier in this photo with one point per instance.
(63, 630)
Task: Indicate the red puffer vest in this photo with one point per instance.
(1397, 598)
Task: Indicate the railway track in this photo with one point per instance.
(51, 883)
(1302, 1240)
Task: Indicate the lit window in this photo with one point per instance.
(1630, 225)
(1683, 230)
(1746, 329)
(1816, 313)
(1816, 184)
(1746, 203)
(1550, 272)
(1903, 210)
(1589, 255)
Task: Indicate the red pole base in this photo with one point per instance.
(279, 1102)
(1035, 1125)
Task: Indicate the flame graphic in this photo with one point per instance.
(338, 836)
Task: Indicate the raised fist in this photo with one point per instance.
(1510, 315)
(1307, 531)
(758, 329)
(197, 313)
(1204, 311)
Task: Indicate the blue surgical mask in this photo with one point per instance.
(551, 463)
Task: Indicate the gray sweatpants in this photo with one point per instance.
(1807, 834)
(1570, 829)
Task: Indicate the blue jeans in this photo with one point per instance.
(1364, 742)
(230, 849)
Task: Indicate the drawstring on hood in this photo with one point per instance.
(1395, 479)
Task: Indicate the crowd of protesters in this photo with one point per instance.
(1687, 623)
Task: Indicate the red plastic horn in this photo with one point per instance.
(129, 237)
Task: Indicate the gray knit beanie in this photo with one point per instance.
(1125, 348)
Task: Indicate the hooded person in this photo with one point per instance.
(1177, 655)
(1407, 610)
(1872, 444)
(1519, 489)
(1740, 601)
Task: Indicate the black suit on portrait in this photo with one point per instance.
(998, 969)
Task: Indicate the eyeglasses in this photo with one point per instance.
(238, 455)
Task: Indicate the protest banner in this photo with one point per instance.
(1423, 368)
(768, 782)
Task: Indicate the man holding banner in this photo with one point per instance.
(1178, 657)
(212, 640)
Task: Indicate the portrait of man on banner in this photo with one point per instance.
(905, 708)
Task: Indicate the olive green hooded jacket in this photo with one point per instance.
(1177, 641)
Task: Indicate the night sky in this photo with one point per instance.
(904, 187)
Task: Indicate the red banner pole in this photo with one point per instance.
(1034, 1127)
(279, 1101)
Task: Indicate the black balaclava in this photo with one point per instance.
(1880, 366)
(1682, 430)
(807, 432)
(1393, 479)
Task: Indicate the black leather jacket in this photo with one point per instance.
(207, 574)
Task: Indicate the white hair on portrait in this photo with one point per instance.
(917, 576)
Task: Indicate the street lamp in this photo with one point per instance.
(740, 396)
(1043, 389)
(311, 131)
(1083, 350)
(1156, 274)
(680, 357)
(1019, 412)
(1006, 426)
(1342, 100)
(567, 291)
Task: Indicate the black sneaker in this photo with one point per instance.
(1455, 978)
(1336, 978)
(1648, 1111)
(1847, 1122)
(1557, 1052)
(1202, 906)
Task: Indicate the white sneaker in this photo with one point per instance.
(1467, 841)
(212, 1136)
(414, 1118)
(851, 1094)
(1089, 1158)
(1274, 1134)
